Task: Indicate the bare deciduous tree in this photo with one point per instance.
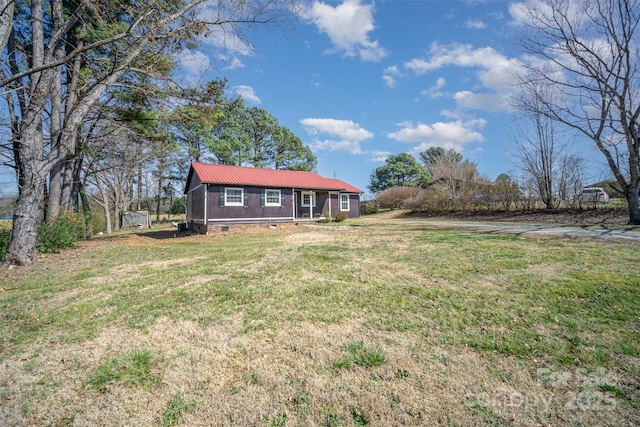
(6, 18)
(111, 168)
(456, 179)
(543, 150)
(591, 59)
(506, 191)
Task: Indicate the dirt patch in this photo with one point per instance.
(310, 238)
(128, 273)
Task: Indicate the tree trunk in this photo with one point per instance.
(27, 219)
(633, 198)
(67, 197)
(56, 93)
(27, 216)
(105, 206)
(86, 212)
(56, 178)
(6, 21)
(159, 200)
(139, 189)
(116, 209)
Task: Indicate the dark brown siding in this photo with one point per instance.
(322, 204)
(335, 204)
(195, 203)
(354, 206)
(253, 212)
(194, 182)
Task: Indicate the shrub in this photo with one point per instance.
(369, 206)
(400, 197)
(5, 238)
(340, 216)
(98, 221)
(178, 206)
(62, 233)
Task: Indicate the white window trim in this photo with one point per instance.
(266, 198)
(227, 202)
(348, 203)
(313, 199)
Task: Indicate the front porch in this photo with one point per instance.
(312, 205)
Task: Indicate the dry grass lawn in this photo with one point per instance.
(324, 326)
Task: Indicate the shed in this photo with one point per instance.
(140, 219)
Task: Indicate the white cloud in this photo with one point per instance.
(389, 75)
(495, 72)
(344, 135)
(522, 12)
(483, 101)
(379, 156)
(474, 24)
(519, 13)
(461, 55)
(247, 93)
(372, 52)
(226, 35)
(389, 80)
(316, 80)
(348, 26)
(235, 63)
(498, 16)
(453, 135)
(434, 91)
(195, 63)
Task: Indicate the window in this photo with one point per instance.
(272, 197)
(344, 202)
(233, 197)
(308, 199)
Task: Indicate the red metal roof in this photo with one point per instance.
(241, 175)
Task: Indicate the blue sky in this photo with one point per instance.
(359, 80)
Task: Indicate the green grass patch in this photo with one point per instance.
(135, 367)
(360, 354)
(177, 407)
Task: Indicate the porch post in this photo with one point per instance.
(310, 204)
(206, 220)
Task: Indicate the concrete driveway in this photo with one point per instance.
(590, 231)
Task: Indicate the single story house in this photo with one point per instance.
(220, 195)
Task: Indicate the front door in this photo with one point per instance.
(306, 202)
